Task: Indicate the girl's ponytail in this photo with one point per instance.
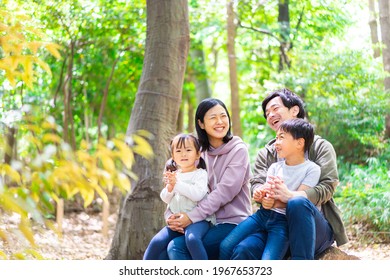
(201, 164)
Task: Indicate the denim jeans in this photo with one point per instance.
(270, 226)
(309, 233)
(193, 235)
(177, 249)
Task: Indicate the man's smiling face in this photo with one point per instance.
(277, 113)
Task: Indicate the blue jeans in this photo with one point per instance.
(193, 234)
(177, 249)
(271, 228)
(309, 233)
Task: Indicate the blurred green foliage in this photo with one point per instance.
(364, 194)
(332, 69)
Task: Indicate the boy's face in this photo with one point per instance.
(277, 113)
(287, 146)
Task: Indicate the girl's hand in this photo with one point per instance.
(170, 178)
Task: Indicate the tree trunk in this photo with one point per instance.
(105, 95)
(10, 145)
(69, 135)
(284, 25)
(373, 28)
(156, 110)
(384, 19)
(235, 100)
(191, 115)
(202, 88)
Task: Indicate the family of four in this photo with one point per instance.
(209, 186)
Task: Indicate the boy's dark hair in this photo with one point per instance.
(171, 165)
(299, 128)
(202, 109)
(289, 100)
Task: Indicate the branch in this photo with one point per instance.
(263, 31)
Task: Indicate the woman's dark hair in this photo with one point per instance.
(202, 109)
(289, 100)
(171, 165)
(299, 128)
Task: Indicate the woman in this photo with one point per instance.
(228, 169)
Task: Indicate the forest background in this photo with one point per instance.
(71, 72)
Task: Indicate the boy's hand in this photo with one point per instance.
(268, 202)
(258, 195)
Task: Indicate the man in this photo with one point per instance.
(313, 219)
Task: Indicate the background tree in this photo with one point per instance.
(384, 19)
(156, 110)
(233, 79)
(372, 21)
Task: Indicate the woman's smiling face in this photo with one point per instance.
(216, 125)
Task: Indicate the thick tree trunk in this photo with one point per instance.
(372, 21)
(155, 110)
(384, 19)
(235, 100)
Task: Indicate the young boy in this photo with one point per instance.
(293, 140)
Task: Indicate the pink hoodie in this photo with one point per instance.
(228, 171)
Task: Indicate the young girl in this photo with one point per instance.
(186, 184)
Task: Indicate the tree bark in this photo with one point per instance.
(69, 135)
(235, 100)
(372, 22)
(202, 88)
(105, 95)
(284, 25)
(384, 19)
(156, 110)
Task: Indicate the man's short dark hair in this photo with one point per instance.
(289, 100)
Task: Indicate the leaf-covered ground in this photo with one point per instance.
(83, 239)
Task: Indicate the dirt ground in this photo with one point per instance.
(82, 239)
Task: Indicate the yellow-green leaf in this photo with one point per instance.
(10, 172)
(53, 49)
(3, 256)
(50, 137)
(125, 153)
(25, 228)
(143, 147)
(108, 163)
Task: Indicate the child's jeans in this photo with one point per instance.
(269, 225)
(193, 238)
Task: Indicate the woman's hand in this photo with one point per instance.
(178, 222)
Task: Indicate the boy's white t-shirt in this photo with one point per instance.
(307, 173)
